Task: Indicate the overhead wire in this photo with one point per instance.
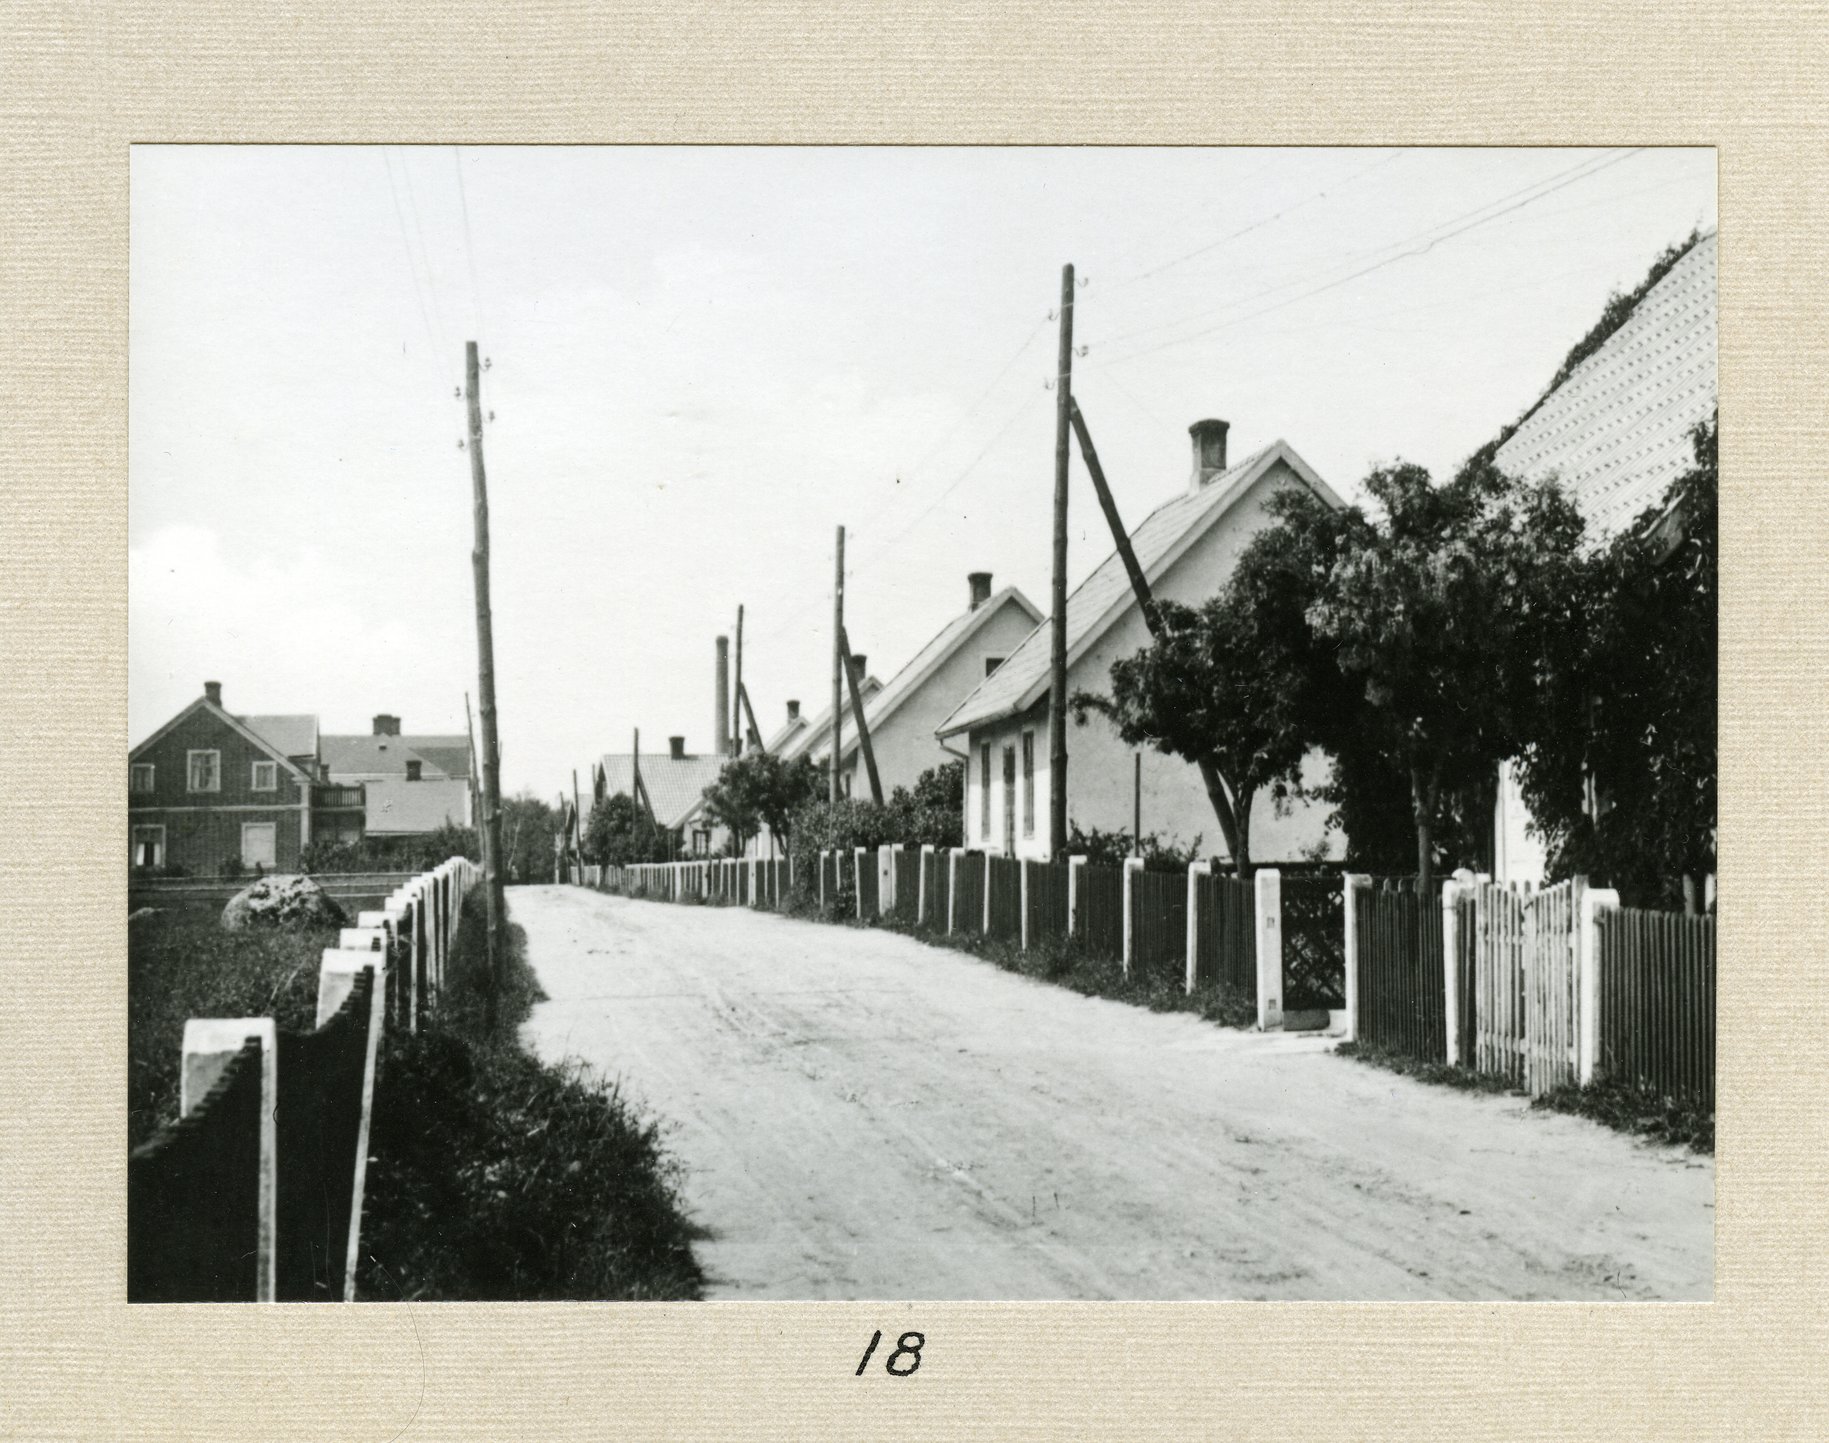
(463, 205)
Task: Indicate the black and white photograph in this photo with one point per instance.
(932, 723)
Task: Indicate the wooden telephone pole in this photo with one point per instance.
(857, 715)
(1057, 690)
(841, 664)
(485, 663)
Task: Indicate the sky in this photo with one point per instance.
(702, 360)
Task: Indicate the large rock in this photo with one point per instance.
(282, 901)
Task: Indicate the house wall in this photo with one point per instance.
(905, 744)
(203, 829)
(1099, 764)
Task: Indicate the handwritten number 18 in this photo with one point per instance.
(907, 1347)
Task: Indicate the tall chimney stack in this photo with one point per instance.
(1209, 451)
(676, 748)
(979, 583)
(721, 731)
(793, 709)
(212, 692)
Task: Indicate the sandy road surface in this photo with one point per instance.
(863, 1116)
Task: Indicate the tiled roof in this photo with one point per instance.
(448, 754)
(1096, 603)
(398, 806)
(294, 735)
(368, 755)
(820, 727)
(952, 636)
(673, 786)
(1616, 432)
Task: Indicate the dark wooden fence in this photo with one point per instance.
(1657, 1002)
(938, 864)
(1159, 924)
(319, 1118)
(1314, 942)
(907, 884)
(1225, 933)
(968, 903)
(863, 871)
(1402, 1003)
(1004, 877)
(1047, 901)
(193, 1197)
(1101, 908)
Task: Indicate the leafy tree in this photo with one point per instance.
(932, 813)
(757, 790)
(528, 824)
(1110, 849)
(619, 833)
(1620, 774)
(1444, 614)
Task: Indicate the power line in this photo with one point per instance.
(412, 201)
(1420, 250)
(1589, 165)
(476, 293)
(406, 244)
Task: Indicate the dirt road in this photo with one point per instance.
(863, 1116)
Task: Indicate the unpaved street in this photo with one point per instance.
(863, 1116)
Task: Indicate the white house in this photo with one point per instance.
(1615, 434)
(1187, 548)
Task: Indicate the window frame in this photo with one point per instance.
(190, 770)
(273, 829)
(254, 777)
(1028, 782)
(133, 844)
(984, 791)
(134, 769)
(992, 661)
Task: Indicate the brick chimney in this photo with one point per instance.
(412, 769)
(793, 710)
(979, 583)
(676, 748)
(720, 731)
(861, 664)
(1209, 451)
(386, 726)
(212, 692)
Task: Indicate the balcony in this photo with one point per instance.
(330, 797)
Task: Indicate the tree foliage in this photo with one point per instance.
(757, 790)
(1628, 729)
(619, 833)
(931, 813)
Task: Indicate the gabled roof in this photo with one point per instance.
(777, 743)
(955, 634)
(295, 735)
(234, 724)
(674, 787)
(1615, 433)
(1097, 603)
(365, 755)
(820, 728)
(448, 754)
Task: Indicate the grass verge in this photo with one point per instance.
(181, 964)
(496, 1176)
(1638, 1111)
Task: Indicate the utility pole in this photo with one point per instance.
(485, 661)
(863, 726)
(577, 818)
(1057, 690)
(476, 810)
(841, 664)
(736, 700)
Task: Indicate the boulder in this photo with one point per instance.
(282, 901)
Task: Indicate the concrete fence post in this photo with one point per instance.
(337, 974)
(1196, 870)
(1451, 965)
(927, 852)
(986, 927)
(1351, 885)
(210, 1044)
(886, 856)
(1594, 901)
(1073, 895)
(1269, 949)
(823, 854)
(1132, 866)
(857, 880)
(1023, 903)
(952, 888)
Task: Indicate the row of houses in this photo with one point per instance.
(1614, 432)
(211, 788)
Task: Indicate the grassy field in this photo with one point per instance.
(181, 964)
(496, 1176)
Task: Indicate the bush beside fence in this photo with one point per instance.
(255, 1193)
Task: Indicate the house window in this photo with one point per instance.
(1028, 784)
(205, 771)
(266, 777)
(149, 846)
(139, 780)
(984, 791)
(991, 663)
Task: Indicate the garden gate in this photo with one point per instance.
(1525, 989)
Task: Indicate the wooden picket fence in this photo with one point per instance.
(255, 1193)
(1401, 999)
(1099, 898)
(1225, 933)
(1159, 923)
(1657, 1002)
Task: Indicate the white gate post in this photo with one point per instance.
(1351, 884)
(1024, 873)
(886, 859)
(1269, 949)
(1132, 866)
(952, 888)
(1073, 895)
(1587, 980)
(1451, 970)
(1196, 870)
(985, 929)
(927, 851)
(210, 1044)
